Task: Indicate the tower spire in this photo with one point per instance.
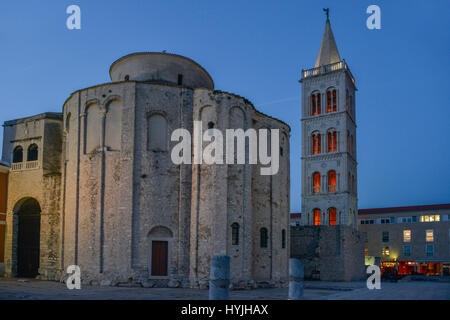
(328, 52)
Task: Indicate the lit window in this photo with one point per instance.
(235, 234)
(406, 235)
(366, 251)
(316, 143)
(332, 141)
(385, 251)
(430, 218)
(430, 250)
(334, 101)
(331, 100)
(332, 216)
(385, 236)
(316, 182)
(317, 217)
(429, 235)
(407, 251)
(315, 104)
(332, 181)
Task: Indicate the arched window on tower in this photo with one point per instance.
(235, 234)
(332, 181)
(334, 101)
(332, 216)
(315, 104)
(316, 143)
(316, 182)
(332, 140)
(331, 100)
(32, 153)
(17, 154)
(263, 238)
(316, 217)
(283, 239)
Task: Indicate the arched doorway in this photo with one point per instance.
(160, 239)
(28, 217)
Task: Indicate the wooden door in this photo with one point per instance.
(160, 256)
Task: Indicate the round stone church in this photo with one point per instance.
(104, 193)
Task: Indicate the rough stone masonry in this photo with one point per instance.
(109, 199)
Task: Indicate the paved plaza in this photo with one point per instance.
(314, 290)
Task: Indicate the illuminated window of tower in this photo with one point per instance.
(317, 217)
(332, 181)
(316, 182)
(332, 216)
(315, 104)
(328, 101)
(334, 101)
(316, 143)
(332, 141)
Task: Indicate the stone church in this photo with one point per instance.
(95, 186)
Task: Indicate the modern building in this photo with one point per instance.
(95, 185)
(413, 240)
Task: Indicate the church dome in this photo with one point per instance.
(162, 68)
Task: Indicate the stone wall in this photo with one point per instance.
(329, 253)
(42, 183)
(108, 187)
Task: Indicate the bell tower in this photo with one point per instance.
(329, 175)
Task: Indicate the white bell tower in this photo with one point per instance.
(329, 175)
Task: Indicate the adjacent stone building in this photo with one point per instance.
(4, 170)
(96, 186)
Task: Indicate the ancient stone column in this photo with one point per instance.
(219, 281)
(296, 274)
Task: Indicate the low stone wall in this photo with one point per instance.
(329, 253)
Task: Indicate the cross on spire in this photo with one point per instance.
(327, 12)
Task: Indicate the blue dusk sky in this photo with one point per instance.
(257, 49)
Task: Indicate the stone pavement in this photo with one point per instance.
(314, 290)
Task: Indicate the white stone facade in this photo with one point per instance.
(329, 140)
